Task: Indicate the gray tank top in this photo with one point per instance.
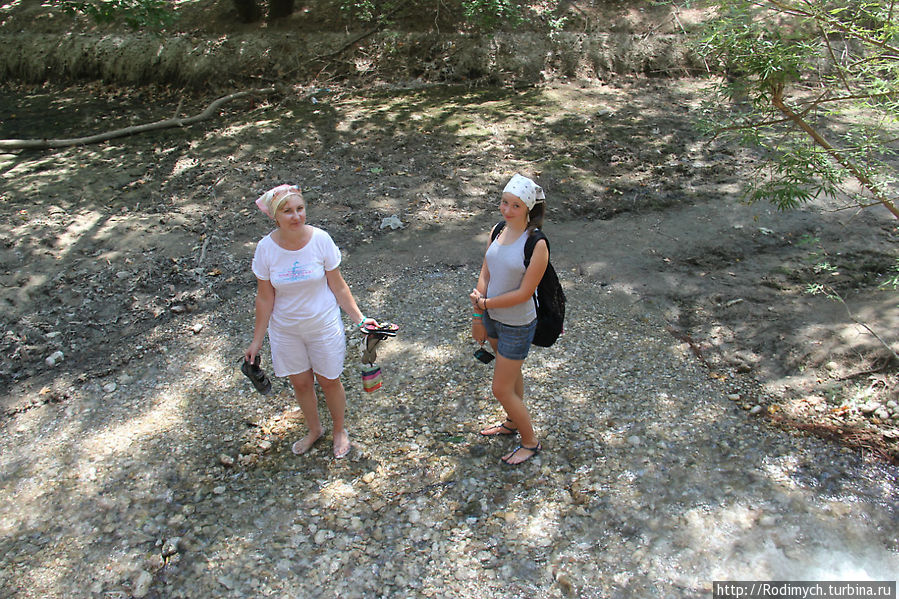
(506, 266)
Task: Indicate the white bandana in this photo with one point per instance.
(524, 188)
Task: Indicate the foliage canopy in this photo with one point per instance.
(137, 14)
(815, 83)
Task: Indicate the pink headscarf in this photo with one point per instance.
(265, 200)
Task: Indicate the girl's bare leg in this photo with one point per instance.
(508, 385)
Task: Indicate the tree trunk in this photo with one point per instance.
(278, 9)
(247, 11)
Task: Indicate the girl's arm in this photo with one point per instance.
(484, 278)
(344, 296)
(265, 303)
(477, 322)
(532, 276)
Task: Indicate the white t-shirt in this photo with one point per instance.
(302, 296)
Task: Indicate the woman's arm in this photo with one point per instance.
(344, 296)
(483, 279)
(265, 303)
(532, 276)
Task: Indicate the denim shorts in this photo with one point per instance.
(513, 342)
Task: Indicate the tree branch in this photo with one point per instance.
(836, 24)
(49, 144)
(839, 298)
(879, 195)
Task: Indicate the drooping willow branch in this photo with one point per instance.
(778, 101)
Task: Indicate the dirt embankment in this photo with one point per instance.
(207, 48)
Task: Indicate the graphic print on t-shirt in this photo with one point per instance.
(298, 272)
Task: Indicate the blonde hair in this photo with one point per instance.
(280, 197)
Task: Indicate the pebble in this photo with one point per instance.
(170, 547)
(54, 358)
(869, 407)
(142, 584)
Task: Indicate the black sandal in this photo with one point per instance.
(510, 430)
(256, 375)
(383, 330)
(534, 451)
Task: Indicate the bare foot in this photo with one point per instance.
(341, 444)
(293, 414)
(306, 443)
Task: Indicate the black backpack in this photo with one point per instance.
(549, 297)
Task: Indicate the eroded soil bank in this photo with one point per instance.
(206, 47)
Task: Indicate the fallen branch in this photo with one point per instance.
(50, 144)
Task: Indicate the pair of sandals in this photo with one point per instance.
(502, 430)
(263, 385)
(374, 334)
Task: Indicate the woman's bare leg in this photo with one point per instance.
(335, 398)
(304, 390)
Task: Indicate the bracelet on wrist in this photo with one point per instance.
(361, 322)
(476, 315)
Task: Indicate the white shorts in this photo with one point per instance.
(294, 352)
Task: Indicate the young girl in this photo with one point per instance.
(504, 311)
(299, 294)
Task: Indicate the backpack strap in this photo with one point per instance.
(531, 242)
(497, 229)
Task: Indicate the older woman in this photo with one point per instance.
(299, 294)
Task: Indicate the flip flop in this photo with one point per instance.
(388, 329)
(500, 433)
(346, 452)
(534, 451)
(369, 343)
(256, 375)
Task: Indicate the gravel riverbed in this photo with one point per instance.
(173, 478)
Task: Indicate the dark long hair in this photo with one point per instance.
(535, 216)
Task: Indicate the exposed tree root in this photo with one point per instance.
(849, 435)
(50, 144)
